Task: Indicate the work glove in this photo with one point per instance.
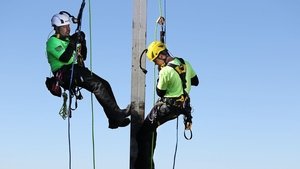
(81, 37)
(78, 37)
(73, 40)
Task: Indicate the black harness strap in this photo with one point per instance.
(181, 70)
(184, 98)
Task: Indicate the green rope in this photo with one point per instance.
(154, 84)
(63, 110)
(92, 100)
(160, 4)
(160, 7)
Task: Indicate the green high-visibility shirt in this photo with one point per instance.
(170, 81)
(55, 48)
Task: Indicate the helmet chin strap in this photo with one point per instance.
(60, 36)
(162, 65)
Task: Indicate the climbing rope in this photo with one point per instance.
(92, 101)
(69, 142)
(71, 92)
(161, 21)
(176, 145)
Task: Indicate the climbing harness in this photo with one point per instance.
(183, 101)
(53, 86)
(73, 93)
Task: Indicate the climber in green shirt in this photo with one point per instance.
(66, 55)
(176, 76)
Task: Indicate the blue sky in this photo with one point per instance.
(246, 108)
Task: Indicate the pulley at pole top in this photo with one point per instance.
(161, 21)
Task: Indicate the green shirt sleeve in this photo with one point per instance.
(189, 75)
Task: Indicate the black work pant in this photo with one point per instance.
(147, 135)
(83, 77)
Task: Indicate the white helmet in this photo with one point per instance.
(60, 20)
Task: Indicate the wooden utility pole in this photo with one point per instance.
(137, 76)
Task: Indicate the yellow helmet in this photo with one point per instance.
(154, 49)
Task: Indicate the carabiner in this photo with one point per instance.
(191, 134)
